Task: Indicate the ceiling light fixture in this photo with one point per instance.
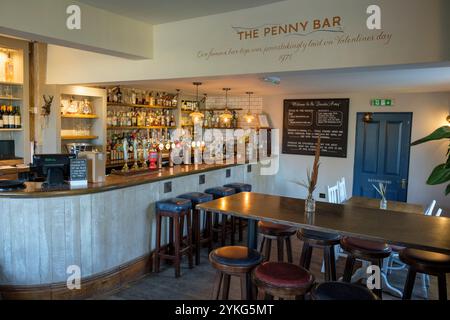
(226, 115)
(197, 116)
(249, 117)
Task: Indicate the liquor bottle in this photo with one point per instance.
(119, 95)
(1, 117)
(5, 117)
(17, 119)
(133, 119)
(172, 121)
(9, 69)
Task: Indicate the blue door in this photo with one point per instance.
(382, 154)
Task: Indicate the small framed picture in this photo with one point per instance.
(263, 122)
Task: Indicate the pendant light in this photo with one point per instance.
(249, 117)
(197, 116)
(226, 115)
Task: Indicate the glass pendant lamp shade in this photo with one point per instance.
(197, 116)
(249, 117)
(226, 115)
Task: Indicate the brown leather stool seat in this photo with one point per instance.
(431, 263)
(233, 261)
(341, 291)
(281, 233)
(282, 280)
(372, 251)
(323, 240)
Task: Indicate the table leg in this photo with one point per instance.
(197, 227)
(252, 234)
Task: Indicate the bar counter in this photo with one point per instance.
(108, 229)
(114, 182)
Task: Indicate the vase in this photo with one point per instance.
(383, 204)
(310, 210)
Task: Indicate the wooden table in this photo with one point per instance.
(392, 205)
(393, 227)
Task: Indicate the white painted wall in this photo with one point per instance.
(418, 28)
(429, 112)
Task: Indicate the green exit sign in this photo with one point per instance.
(382, 102)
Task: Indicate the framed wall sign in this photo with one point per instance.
(305, 119)
(263, 121)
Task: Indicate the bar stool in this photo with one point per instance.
(282, 234)
(341, 291)
(326, 241)
(197, 198)
(233, 261)
(374, 252)
(177, 210)
(282, 280)
(431, 263)
(239, 187)
(219, 192)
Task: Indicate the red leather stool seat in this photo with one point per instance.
(275, 229)
(280, 274)
(350, 244)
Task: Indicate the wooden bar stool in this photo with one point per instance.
(197, 198)
(431, 263)
(372, 251)
(217, 193)
(281, 234)
(326, 241)
(233, 261)
(282, 280)
(239, 187)
(176, 210)
(341, 291)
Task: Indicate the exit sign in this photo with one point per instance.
(382, 102)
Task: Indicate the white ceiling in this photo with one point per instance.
(163, 11)
(399, 79)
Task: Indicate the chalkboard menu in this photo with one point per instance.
(305, 119)
(78, 169)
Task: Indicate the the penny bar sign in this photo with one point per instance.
(305, 119)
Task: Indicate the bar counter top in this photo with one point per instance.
(113, 182)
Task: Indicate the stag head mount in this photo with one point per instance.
(46, 108)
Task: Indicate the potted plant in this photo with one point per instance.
(440, 174)
(311, 183)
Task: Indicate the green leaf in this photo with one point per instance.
(440, 174)
(447, 191)
(438, 134)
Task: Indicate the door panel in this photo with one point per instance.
(382, 155)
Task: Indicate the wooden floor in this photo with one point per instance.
(197, 283)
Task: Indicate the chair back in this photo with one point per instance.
(439, 212)
(333, 194)
(342, 190)
(429, 210)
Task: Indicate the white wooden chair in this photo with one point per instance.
(333, 194)
(342, 190)
(394, 258)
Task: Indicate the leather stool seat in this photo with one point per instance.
(275, 229)
(236, 256)
(321, 238)
(175, 205)
(240, 187)
(365, 246)
(431, 261)
(341, 291)
(281, 274)
(219, 192)
(197, 197)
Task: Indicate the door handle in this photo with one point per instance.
(403, 183)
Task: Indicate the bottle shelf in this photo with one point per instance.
(79, 137)
(10, 129)
(142, 127)
(4, 83)
(79, 116)
(10, 98)
(145, 106)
